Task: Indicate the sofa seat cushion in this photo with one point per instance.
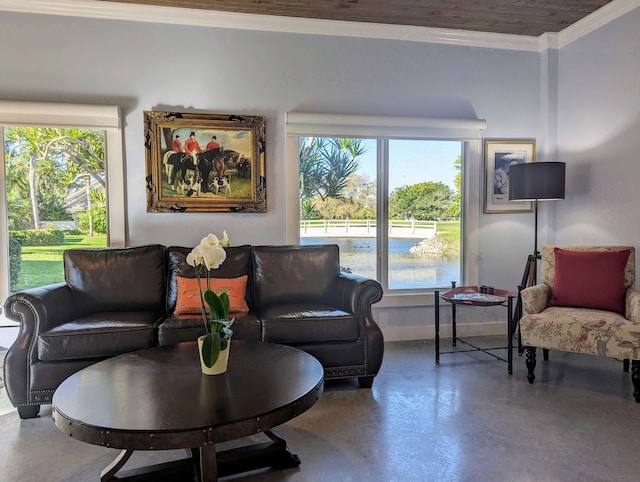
(179, 328)
(99, 335)
(307, 322)
(581, 330)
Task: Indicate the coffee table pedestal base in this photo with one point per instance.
(206, 465)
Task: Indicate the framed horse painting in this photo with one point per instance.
(205, 162)
(499, 155)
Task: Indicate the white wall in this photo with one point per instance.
(152, 67)
(162, 67)
(599, 134)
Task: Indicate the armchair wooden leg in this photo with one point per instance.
(530, 353)
(625, 365)
(545, 354)
(635, 378)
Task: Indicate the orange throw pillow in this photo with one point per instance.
(188, 299)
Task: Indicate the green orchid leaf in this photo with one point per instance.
(215, 304)
(211, 347)
(226, 303)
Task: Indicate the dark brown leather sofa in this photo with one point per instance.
(116, 300)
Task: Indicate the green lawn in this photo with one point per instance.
(450, 230)
(43, 265)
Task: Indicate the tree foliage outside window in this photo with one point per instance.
(15, 251)
(44, 165)
(425, 201)
(98, 220)
(357, 201)
(332, 188)
(326, 166)
(454, 210)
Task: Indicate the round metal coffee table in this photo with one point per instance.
(157, 399)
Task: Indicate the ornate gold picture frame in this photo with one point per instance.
(205, 162)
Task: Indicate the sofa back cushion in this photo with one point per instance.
(237, 264)
(294, 274)
(118, 279)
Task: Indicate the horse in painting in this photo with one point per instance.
(176, 165)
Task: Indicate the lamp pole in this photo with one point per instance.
(536, 253)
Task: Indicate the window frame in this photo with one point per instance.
(468, 131)
(62, 115)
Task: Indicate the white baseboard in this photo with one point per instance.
(407, 333)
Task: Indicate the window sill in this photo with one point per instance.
(406, 299)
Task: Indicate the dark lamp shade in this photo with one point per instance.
(536, 181)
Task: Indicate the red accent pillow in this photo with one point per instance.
(590, 279)
(188, 298)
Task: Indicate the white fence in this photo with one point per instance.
(366, 228)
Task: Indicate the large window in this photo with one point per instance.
(60, 162)
(393, 201)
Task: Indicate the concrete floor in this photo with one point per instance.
(464, 420)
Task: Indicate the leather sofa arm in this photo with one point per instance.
(355, 294)
(40, 309)
(37, 310)
(535, 298)
(632, 306)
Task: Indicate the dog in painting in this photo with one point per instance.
(195, 189)
(223, 185)
(180, 187)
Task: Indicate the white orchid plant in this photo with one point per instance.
(208, 255)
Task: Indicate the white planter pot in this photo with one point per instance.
(220, 366)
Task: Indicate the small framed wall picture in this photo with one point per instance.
(499, 155)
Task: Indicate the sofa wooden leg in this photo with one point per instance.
(545, 354)
(635, 378)
(530, 353)
(625, 365)
(365, 382)
(28, 411)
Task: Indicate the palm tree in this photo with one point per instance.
(53, 159)
(326, 165)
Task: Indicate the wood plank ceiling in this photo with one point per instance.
(520, 17)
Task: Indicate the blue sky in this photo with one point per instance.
(415, 161)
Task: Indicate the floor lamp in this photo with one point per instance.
(535, 181)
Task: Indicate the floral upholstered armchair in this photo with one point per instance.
(585, 303)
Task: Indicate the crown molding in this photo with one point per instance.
(548, 41)
(267, 23)
(597, 19)
(272, 23)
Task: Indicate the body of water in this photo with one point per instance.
(406, 270)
